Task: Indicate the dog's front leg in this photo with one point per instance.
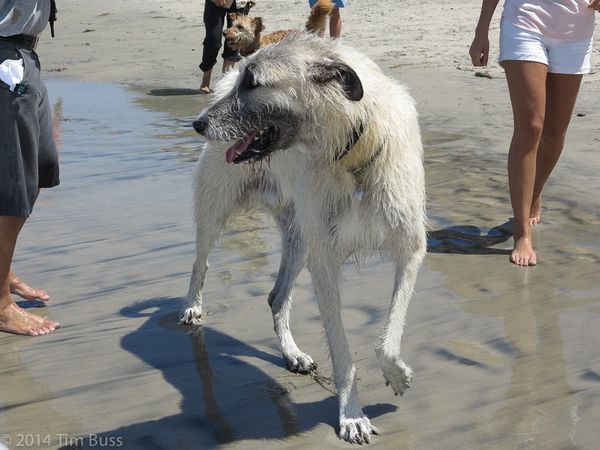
(207, 232)
(293, 259)
(395, 371)
(214, 201)
(355, 426)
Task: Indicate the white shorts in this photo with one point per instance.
(560, 55)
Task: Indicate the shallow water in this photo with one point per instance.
(504, 357)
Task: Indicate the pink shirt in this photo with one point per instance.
(561, 19)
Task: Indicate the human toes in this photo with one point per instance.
(26, 292)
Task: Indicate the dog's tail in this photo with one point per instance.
(245, 10)
(317, 20)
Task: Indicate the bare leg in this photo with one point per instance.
(355, 426)
(561, 95)
(335, 23)
(12, 318)
(527, 87)
(205, 83)
(293, 258)
(395, 371)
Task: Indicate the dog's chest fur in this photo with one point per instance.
(332, 195)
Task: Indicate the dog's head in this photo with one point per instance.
(281, 96)
(244, 32)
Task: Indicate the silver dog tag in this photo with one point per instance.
(358, 194)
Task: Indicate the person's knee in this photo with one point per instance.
(530, 128)
(552, 135)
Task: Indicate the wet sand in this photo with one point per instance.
(504, 357)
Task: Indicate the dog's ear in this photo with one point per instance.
(258, 25)
(233, 16)
(336, 70)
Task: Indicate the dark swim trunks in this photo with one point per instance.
(28, 156)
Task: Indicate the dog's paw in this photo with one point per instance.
(299, 362)
(357, 430)
(396, 373)
(191, 315)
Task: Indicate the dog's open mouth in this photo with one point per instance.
(254, 146)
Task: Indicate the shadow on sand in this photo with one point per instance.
(469, 240)
(167, 92)
(224, 398)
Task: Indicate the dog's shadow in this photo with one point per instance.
(223, 397)
(469, 240)
(169, 92)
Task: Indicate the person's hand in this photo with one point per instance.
(480, 49)
(595, 4)
(221, 3)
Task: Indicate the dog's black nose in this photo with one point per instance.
(200, 125)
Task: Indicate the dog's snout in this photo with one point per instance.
(200, 125)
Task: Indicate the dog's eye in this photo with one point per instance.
(240, 27)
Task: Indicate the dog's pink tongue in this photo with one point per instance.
(240, 147)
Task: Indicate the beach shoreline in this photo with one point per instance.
(504, 357)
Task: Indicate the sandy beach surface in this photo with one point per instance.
(504, 357)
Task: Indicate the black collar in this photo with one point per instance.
(356, 134)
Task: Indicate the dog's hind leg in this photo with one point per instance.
(293, 259)
(395, 371)
(355, 426)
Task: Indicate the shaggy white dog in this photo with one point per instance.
(343, 176)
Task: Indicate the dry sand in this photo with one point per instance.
(504, 357)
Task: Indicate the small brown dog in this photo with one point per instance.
(244, 34)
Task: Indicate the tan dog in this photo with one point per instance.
(245, 36)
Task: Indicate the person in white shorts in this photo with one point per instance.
(545, 48)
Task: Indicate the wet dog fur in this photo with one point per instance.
(344, 178)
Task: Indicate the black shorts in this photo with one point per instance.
(28, 156)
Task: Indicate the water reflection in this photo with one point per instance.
(543, 403)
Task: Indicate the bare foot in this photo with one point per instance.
(16, 320)
(535, 214)
(205, 90)
(523, 253)
(25, 291)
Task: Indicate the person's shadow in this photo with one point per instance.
(469, 240)
(224, 398)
